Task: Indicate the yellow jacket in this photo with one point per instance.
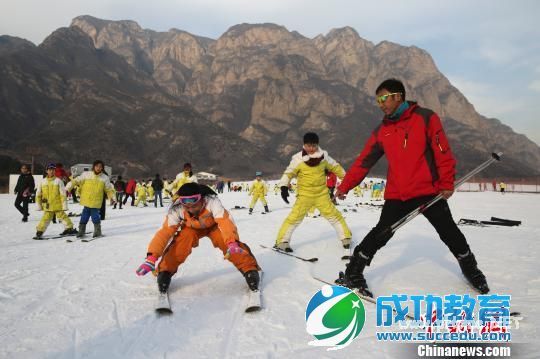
(93, 187)
(181, 179)
(150, 190)
(258, 188)
(141, 191)
(311, 180)
(51, 195)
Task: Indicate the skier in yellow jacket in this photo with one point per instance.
(51, 198)
(309, 167)
(93, 184)
(142, 194)
(186, 176)
(150, 190)
(258, 190)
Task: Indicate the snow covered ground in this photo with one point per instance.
(83, 300)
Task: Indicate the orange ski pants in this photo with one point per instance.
(188, 238)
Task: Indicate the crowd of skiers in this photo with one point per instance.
(421, 166)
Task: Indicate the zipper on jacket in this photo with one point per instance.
(405, 140)
(438, 143)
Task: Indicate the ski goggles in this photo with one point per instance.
(190, 199)
(382, 99)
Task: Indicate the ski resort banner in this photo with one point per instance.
(449, 325)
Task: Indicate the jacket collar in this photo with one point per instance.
(314, 159)
(405, 115)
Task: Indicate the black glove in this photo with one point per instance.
(285, 193)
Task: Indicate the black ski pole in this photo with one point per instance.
(422, 208)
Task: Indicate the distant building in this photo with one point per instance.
(205, 176)
(79, 168)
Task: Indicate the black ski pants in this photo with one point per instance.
(132, 195)
(438, 215)
(21, 203)
(119, 199)
(103, 209)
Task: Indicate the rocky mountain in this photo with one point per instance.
(257, 89)
(67, 101)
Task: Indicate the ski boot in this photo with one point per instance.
(39, 234)
(251, 211)
(163, 281)
(346, 243)
(469, 268)
(69, 231)
(266, 209)
(82, 230)
(353, 278)
(283, 246)
(97, 230)
(252, 279)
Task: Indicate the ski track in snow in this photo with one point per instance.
(83, 300)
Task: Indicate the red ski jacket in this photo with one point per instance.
(61, 173)
(331, 180)
(420, 161)
(130, 187)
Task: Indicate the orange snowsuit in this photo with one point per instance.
(185, 230)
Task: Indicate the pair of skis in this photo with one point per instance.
(254, 300)
(493, 222)
(84, 239)
(346, 254)
(45, 238)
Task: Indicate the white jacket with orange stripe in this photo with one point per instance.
(177, 218)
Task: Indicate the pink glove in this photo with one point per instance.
(233, 248)
(148, 266)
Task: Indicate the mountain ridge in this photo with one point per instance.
(261, 84)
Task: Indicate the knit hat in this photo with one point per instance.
(311, 138)
(187, 165)
(193, 188)
(189, 189)
(258, 173)
(51, 166)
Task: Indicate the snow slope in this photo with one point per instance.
(83, 300)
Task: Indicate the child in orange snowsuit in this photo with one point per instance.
(195, 214)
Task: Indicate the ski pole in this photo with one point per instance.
(422, 208)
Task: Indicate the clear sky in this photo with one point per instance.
(488, 49)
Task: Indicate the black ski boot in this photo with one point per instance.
(82, 230)
(163, 281)
(252, 279)
(39, 235)
(266, 209)
(353, 277)
(469, 268)
(69, 231)
(251, 211)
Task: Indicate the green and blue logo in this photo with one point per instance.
(335, 315)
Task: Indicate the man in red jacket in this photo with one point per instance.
(420, 166)
(130, 191)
